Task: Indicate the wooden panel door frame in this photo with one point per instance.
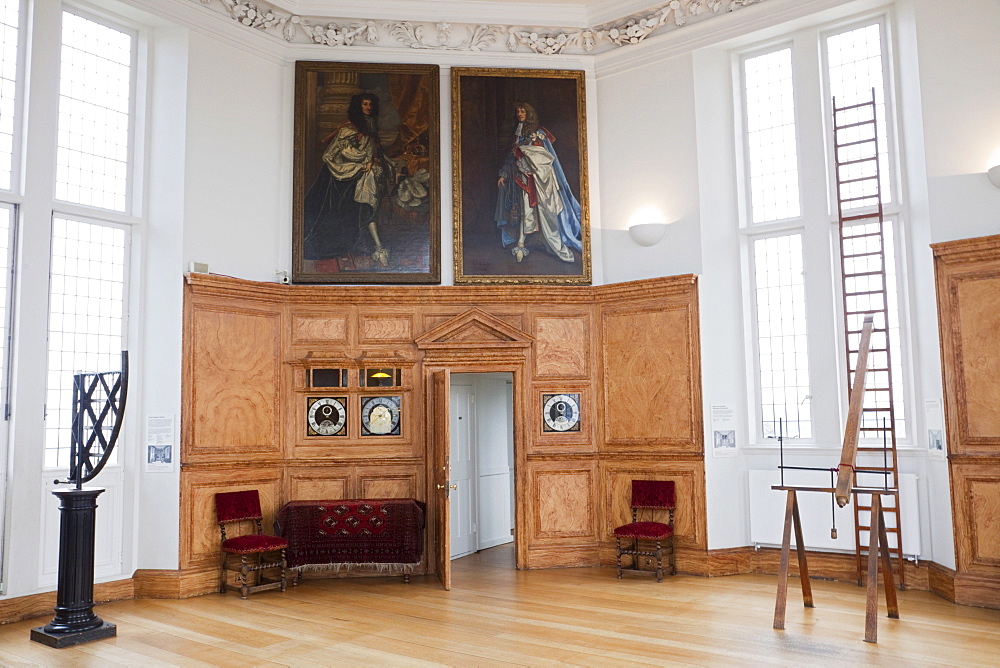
(518, 370)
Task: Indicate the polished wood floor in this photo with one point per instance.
(496, 615)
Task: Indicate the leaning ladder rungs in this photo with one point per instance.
(858, 275)
(857, 161)
(874, 331)
(852, 237)
(869, 254)
(857, 180)
(854, 143)
(860, 198)
(857, 124)
(861, 216)
(855, 106)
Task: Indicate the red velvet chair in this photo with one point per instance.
(257, 552)
(650, 495)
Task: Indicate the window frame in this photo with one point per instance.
(132, 170)
(819, 226)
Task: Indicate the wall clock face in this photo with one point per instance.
(561, 412)
(380, 416)
(326, 416)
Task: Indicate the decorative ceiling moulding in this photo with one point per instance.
(270, 19)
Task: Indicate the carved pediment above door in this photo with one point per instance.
(474, 329)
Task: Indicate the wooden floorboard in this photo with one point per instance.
(496, 616)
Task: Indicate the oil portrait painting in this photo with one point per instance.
(366, 204)
(520, 176)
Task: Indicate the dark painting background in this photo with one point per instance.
(408, 129)
(486, 125)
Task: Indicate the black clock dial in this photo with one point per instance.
(326, 416)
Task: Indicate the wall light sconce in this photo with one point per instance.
(647, 226)
(994, 174)
(647, 234)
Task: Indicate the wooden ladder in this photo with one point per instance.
(864, 290)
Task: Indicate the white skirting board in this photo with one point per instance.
(767, 512)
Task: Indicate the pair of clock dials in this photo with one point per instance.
(327, 416)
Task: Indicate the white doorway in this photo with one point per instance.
(482, 461)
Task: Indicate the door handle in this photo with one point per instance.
(440, 486)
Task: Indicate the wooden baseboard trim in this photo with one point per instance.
(38, 605)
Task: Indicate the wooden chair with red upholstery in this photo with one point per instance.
(649, 495)
(257, 551)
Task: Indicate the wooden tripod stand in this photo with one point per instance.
(878, 540)
(878, 551)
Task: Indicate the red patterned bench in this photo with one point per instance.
(387, 534)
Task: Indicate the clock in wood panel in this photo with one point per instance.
(380, 416)
(562, 346)
(561, 412)
(326, 416)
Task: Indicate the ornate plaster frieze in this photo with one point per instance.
(450, 36)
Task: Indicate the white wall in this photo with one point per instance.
(658, 117)
(666, 133)
(648, 155)
(237, 194)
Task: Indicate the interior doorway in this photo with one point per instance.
(482, 461)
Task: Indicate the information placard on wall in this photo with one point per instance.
(159, 443)
(723, 431)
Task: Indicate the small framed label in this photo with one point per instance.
(560, 412)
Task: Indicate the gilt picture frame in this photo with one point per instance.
(366, 174)
(519, 176)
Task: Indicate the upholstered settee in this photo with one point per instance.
(386, 534)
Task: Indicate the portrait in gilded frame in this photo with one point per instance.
(366, 200)
(519, 159)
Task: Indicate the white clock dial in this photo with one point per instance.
(380, 416)
(326, 416)
(561, 412)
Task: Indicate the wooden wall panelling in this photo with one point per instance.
(564, 345)
(651, 373)
(382, 327)
(690, 529)
(200, 537)
(231, 403)
(384, 481)
(326, 329)
(967, 273)
(318, 482)
(465, 329)
(976, 507)
(562, 522)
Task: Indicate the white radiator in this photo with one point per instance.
(767, 512)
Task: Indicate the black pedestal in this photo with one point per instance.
(75, 621)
